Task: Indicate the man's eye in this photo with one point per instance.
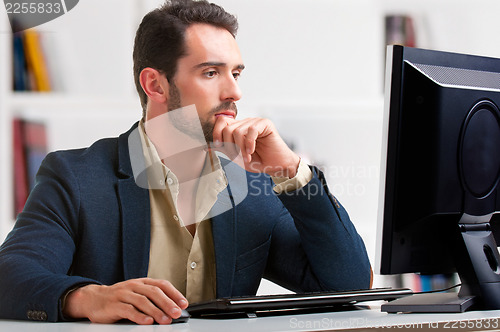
(210, 73)
(236, 75)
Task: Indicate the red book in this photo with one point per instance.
(29, 149)
(20, 177)
(35, 148)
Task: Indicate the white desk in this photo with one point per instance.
(359, 319)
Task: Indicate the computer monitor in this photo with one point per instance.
(440, 169)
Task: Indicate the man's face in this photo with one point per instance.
(207, 76)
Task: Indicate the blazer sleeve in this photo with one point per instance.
(315, 246)
(37, 255)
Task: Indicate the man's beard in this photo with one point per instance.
(189, 126)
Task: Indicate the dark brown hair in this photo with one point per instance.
(159, 41)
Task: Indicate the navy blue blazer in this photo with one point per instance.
(86, 221)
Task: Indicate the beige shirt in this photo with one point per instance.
(187, 261)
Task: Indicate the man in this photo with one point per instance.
(97, 241)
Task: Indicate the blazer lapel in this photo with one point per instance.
(135, 212)
(224, 237)
(136, 228)
(224, 226)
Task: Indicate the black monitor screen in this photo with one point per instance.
(440, 162)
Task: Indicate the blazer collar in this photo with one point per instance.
(224, 226)
(134, 209)
(224, 237)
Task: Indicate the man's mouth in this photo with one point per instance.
(229, 114)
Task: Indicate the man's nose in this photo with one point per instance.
(231, 89)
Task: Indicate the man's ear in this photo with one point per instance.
(154, 84)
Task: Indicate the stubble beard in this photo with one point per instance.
(189, 128)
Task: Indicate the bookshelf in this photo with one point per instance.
(6, 201)
(82, 107)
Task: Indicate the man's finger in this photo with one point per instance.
(220, 123)
(148, 303)
(130, 312)
(251, 140)
(172, 293)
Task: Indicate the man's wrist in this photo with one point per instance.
(294, 167)
(302, 177)
(64, 298)
(73, 300)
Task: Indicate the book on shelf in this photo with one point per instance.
(29, 149)
(19, 64)
(427, 282)
(30, 70)
(19, 167)
(400, 30)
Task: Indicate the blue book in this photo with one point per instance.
(19, 63)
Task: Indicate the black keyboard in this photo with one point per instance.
(327, 301)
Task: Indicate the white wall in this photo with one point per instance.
(89, 49)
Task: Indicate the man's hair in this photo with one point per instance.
(159, 41)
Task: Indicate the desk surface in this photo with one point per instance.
(358, 319)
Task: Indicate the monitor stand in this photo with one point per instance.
(431, 302)
(478, 266)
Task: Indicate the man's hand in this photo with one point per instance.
(143, 301)
(261, 146)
